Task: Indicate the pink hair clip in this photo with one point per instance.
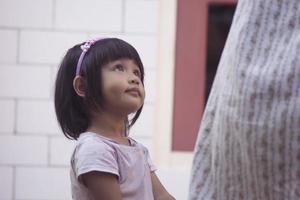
(85, 47)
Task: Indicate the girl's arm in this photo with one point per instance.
(159, 192)
(102, 185)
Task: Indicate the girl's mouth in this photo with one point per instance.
(133, 91)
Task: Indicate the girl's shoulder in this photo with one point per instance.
(138, 145)
(92, 153)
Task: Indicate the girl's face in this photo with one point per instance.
(123, 91)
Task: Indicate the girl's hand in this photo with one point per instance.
(159, 192)
(102, 185)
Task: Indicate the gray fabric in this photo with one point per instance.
(248, 146)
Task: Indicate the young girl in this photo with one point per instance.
(99, 85)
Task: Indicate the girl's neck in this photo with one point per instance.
(108, 125)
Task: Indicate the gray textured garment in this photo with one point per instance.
(248, 146)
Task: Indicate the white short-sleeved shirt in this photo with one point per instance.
(131, 164)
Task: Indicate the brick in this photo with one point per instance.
(23, 150)
(8, 39)
(46, 47)
(141, 16)
(100, 15)
(26, 13)
(24, 82)
(144, 126)
(7, 116)
(6, 183)
(42, 183)
(42, 118)
(61, 150)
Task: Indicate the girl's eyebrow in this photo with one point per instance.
(119, 62)
(116, 62)
(112, 64)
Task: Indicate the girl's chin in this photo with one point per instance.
(127, 107)
(132, 110)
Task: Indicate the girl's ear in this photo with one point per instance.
(79, 86)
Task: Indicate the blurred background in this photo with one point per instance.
(180, 43)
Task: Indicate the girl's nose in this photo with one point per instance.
(133, 79)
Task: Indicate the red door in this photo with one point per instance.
(190, 70)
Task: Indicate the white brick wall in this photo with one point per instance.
(42, 183)
(42, 118)
(22, 150)
(45, 46)
(134, 9)
(89, 15)
(35, 34)
(26, 13)
(24, 81)
(9, 40)
(6, 183)
(60, 151)
(7, 116)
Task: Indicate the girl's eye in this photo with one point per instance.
(119, 68)
(137, 73)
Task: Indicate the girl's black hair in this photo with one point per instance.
(73, 111)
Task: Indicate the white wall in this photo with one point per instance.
(34, 35)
